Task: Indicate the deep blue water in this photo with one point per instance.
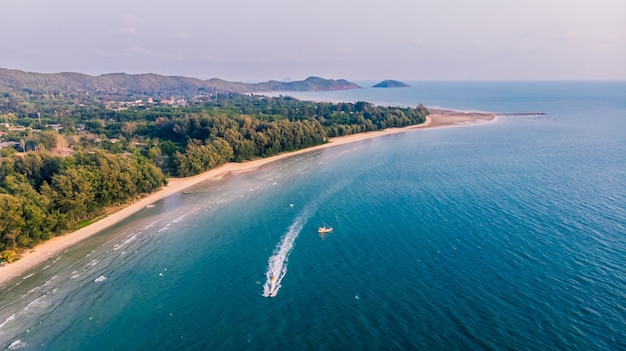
(509, 235)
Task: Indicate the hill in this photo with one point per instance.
(390, 84)
(148, 85)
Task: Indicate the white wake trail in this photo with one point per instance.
(277, 263)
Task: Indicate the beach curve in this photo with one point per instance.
(42, 252)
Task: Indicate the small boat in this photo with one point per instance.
(324, 229)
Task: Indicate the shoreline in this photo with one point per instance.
(30, 259)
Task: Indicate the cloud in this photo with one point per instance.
(131, 19)
(129, 30)
(574, 36)
(181, 36)
(137, 51)
(131, 24)
(42, 52)
(343, 51)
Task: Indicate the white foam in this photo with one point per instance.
(35, 289)
(125, 242)
(49, 281)
(41, 302)
(11, 317)
(17, 344)
(164, 228)
(179, 218)
(277, 263)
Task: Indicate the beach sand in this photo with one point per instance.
(37, 255)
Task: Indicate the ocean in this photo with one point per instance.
(509, 235)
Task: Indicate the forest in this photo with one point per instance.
(72, 161)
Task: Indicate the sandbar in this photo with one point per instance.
(33, 257)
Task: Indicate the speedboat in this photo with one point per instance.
(324, 229)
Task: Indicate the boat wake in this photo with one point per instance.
(277, 263)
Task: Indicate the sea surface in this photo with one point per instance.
(509, 235)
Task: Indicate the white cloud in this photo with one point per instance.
(132, 19)
(42, 52)
(181, 36)
(137, 51)
(129, 30)
(343, 51)
(131, 22)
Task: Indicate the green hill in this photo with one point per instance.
(390, 84)
(147, 85)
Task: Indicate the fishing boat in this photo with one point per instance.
(324, 229)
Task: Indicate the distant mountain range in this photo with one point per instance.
(149, 84)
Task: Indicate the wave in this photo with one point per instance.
(17, 344)
(9, 319)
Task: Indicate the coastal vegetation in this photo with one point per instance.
(42, 195)
(67, 157)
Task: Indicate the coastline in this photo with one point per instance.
(30, 259)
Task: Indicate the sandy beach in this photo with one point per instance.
(37, 255)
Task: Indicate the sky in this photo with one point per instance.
(252, 41)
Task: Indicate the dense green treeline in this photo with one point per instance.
(42, 195)
(188, 140)
(115, 155)
(253, 126)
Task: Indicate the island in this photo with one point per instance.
(390, 84)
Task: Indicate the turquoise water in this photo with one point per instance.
(502, 236)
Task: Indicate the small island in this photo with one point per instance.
(391, 84)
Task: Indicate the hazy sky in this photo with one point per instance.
(251, 41)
